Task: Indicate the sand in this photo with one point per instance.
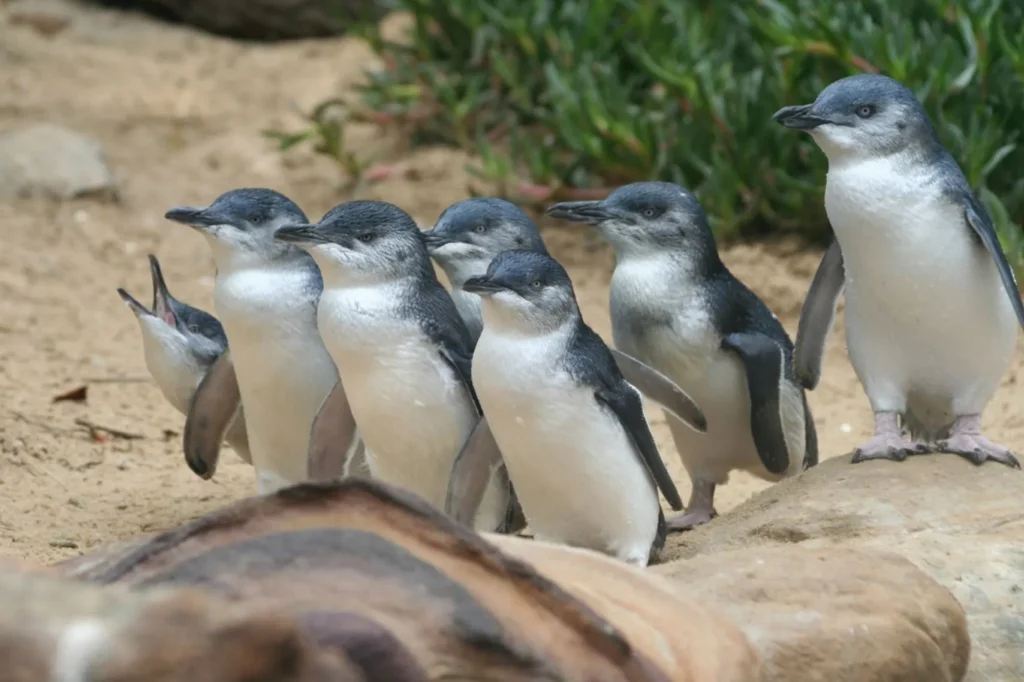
(180, 116)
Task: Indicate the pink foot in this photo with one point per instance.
(966, 440)
(888, 442)
(690, 519)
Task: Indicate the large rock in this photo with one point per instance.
(461, 603)
(260, 19)
(45, 159)
(961, 524)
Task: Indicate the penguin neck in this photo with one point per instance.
(675, 266)
(525, 325)
(458, 272)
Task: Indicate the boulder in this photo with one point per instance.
(264, 20)
(47, 160)
(961, 524)
(461, 603)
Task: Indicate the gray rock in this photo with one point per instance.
(961, 524)
(48, 160)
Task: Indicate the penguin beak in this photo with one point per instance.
(799, 117)
(300, 235)
(132, 304)
(161, 296)
(198, 218)
(589, 212)
(482, 285)
(433, 240)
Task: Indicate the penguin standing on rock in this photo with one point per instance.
(932, 306)
(677, 307)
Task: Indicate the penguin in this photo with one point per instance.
(677, 307)
(401, 348)
(265, 295)
(570, 428)
(932, 306)
(180, 343)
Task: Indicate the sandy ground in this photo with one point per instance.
(180, 114)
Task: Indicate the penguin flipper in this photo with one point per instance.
(462, 365)
(624, 402)
(332, 437)
(817, 315)
(216, 402)
(661, 390)
(764, 362)
(470, 473)
(977, 217)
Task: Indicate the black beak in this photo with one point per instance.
(161, 296)
(299, 234)
(135, 306)
(589, 212)
(799, 117)
(433, 240)
(198, 218)
(482, 285)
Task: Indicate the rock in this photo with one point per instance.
(60, 629)
(843, 615)
(49, 160)
(516, 606)
(961, 524)
(260, 19)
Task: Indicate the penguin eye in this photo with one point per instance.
(194, 328)
(365, 237)
(480, 228)
(866, 110)
(648, 212)
(536, 284)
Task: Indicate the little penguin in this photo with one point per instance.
(402, 350)
(932, 306)
(677, 307)
(180, 343)
(470, 233)
(265, 294)
(465, 238)
(571, 430)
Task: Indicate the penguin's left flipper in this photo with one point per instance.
(214, 406)
(470, 473)
(977, 217)
(817, 316)
(661, 390)
(624, 402)
(764, 362)
(331, 437)
(462, 364)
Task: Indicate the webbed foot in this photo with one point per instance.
(888, 442)
(966, 440)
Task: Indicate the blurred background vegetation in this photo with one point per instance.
(562, 98)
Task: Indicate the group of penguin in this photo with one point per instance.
(339, 352)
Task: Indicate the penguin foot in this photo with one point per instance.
(888, 441)
(966, 440)
(689, 520)
(887, 446)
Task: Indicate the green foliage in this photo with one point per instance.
(595, 93)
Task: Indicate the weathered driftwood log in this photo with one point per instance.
(260, 19)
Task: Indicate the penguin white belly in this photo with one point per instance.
(412, 411)
(574, 468)
(284, 372)
(928, 324)
(170, 363)
(690, 353)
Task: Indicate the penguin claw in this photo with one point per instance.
(887, 447)
(689, 520)
(978, 450)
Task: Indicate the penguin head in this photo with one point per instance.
(365, 241)
(525, 290)
(470, 233)
(178, 329)
(645, 218)
(866, 115)
(243, 220)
